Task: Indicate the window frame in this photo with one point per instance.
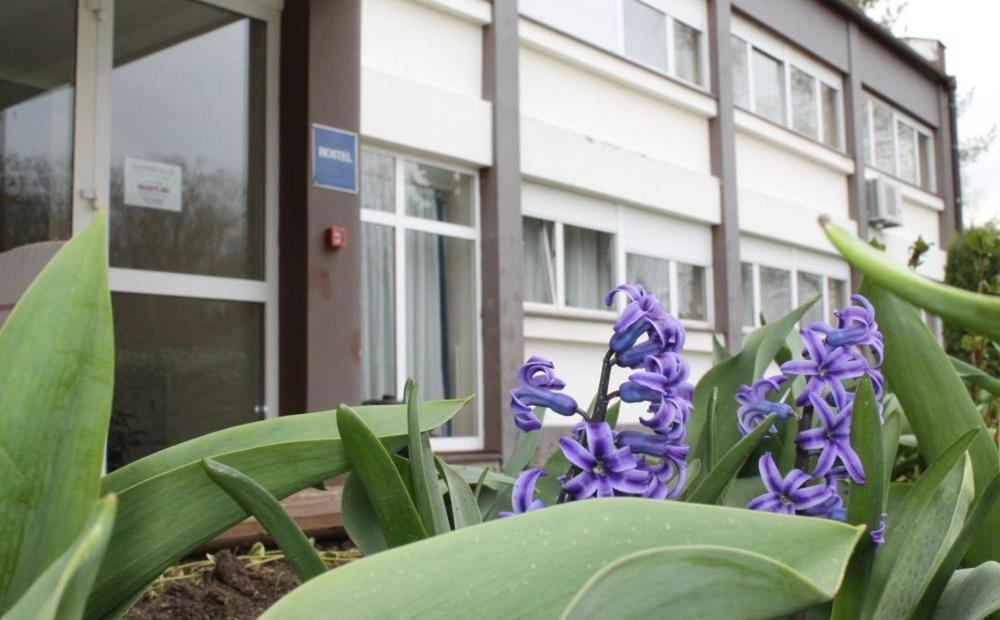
(673, 286)
(671, 71)
(793, 270)
(401, 222)
(919, 130)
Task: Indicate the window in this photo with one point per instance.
(587, 259)
(805, 107)
(768, 87)
(539, 261)
(749, 303)
(934, 324)
(645, 34)
(775, 293)
(836, 296)
(830, 98)
(687, 52)
(419, 286)
(652, 273)
(898, 146)
(741, 72)
(810, 285)
(691, 294)
(768, 291)
(680, 287)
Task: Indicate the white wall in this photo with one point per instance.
(921, 215)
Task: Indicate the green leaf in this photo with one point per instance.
(920, 533)
(168, 506)
(464, 508)
(937, 404)
(715, 481)
(544, 557)
(524, 447)
(890, 440)
(694, 582)
(719, 352)
(394, 510)
(359, 517)
(60, 593)
(56, 376)
(743, 368)
(426, 492)
(972, 593)
(547, 487)
(611, 417)
(977, 313)
(711, 429)
(263, 506)
(493, 480)
(865, 502)
(973, 376)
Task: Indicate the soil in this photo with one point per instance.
(226, 586)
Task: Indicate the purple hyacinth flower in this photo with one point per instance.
(538, 383)
(833, 439)
(824, 366)
(605, 468)
(878, 534)
(856, 326)
(755, 406)
(672, 465)
(522, 497)
(643, 315)
(663, 385)
(786, 495)
(832, 508)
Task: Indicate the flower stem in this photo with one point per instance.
(805, 423)
(601, 406)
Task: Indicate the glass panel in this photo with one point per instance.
(438, 194)
(836, 295)
(926, 162)
(36, 121)
(810, 285)
(645, 34)
(589, 267)
(775, 293)
(934, 325)
(378, 313)
(183, 368)
(187, 140)
(691, 292)
(441, 321)
(906, 138)
(884, 143)
(741, 72)
(539, 261)
(768, 87)
(652, 273)
(378, 181)
(687, 52)
(804, 104)
(749, 313)
(831, 115)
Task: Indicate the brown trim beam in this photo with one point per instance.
(854, 128)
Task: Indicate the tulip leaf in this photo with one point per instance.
(712, 484)
(971, 593)
(546, 556)
(719, 352)
(426, 492)
(263, 506)
(971, 311)
(524, 447)
(394, 509)
(936, 402)
(60, 593)
(56, 376)
(464, 508)
(359, 517)
(694, 582)
(919, 534)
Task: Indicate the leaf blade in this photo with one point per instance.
(427, 494)
(715, 481)
(464, 507)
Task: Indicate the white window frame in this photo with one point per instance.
(793, 270)
(92, 174)
(674, 288)
(669, 20)
(400, 222)
(918, 130)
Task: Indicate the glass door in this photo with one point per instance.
(183, 100)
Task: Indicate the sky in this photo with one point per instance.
(968, 29)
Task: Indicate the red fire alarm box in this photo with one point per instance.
(336, 237)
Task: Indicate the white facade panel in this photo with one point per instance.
(786, 222)
(651, 234)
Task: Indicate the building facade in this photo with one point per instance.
(514, 161)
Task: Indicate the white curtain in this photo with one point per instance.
(378, 309)
(539, 262)
(426, 292)
(588, 267)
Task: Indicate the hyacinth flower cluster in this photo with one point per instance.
(833, 359)
(605, 462)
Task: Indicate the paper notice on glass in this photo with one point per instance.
(153, 185)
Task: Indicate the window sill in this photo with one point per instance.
(581, 314)
(781, 136)
(911, 192)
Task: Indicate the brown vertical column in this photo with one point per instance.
(854, 127)
(500, 221)
(722, 139)
(319, 287)
(947, 171)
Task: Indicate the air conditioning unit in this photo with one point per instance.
(885, 208)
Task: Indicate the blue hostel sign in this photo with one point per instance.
(335, 158)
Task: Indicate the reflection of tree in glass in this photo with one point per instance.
(34, 200)
(218, 231)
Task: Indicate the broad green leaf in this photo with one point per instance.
(394, 509)
(56, 376)
(711, 430)
(694, 582)
(890, 440)
(464, 509)
(976, 313)
(359, 517)
(542, 558)
(263, 506)
(524, 447)
(719, 352)
(739, 493)
(714, 482)
(493, 480)
(865, 502)
(919, 534)
(936, 402)
(743, 368)
(60, 593)
(786, 457)
(167, 504)
(972, 593)
(976, 377)
(426, 492)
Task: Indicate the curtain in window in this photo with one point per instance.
(378, 310)
(652, 273)
(741, 72)
(687, 50)
(589, 265)
(645, 31)
(539, 262)
(810, 285)
(769, 87)
(691, 292)
(804, 105)
(749, 313)
(775, 293)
